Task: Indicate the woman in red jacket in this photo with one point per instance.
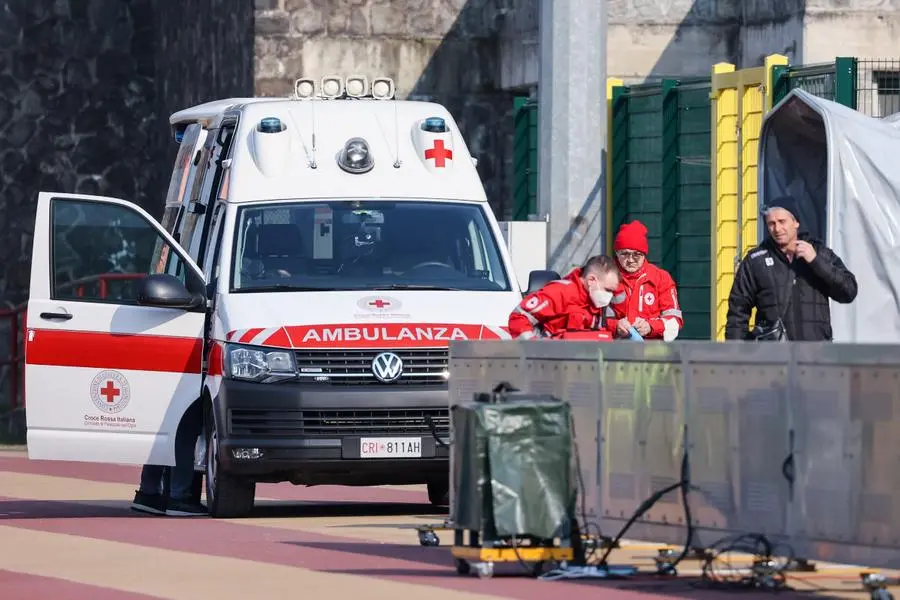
(646, 298)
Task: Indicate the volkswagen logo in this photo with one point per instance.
(387, 367)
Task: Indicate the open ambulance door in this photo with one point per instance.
(114, 337)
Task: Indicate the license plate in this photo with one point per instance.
(390, 448)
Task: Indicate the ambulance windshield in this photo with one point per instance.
(364, 245)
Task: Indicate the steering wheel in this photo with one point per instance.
(431, 263)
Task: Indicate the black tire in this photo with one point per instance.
(227, 497)
(439, 492)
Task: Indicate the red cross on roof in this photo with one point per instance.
(379, 303)
(439, 154)
(110, 391)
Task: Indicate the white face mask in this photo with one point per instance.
(600, 297)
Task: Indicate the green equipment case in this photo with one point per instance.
(514, 466)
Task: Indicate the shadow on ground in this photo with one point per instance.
(72, 509)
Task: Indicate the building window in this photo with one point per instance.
(888, 84)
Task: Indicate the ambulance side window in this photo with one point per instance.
(195, 214)
(212, 253)
(99, 252)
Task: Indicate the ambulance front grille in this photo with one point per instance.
(248, 422)
(421, 366)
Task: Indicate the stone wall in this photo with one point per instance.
(86, 87)
(73, 110)
(198, 60)
(441, 50)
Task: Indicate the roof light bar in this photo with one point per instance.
(357, 86)
(383, 88)
(304, 88)
(332, 86)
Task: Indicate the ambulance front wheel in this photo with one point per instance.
(226, 496)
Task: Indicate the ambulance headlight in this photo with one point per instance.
(355, 157)
(258, 364)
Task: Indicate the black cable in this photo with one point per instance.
(754, 544)
(684, 485)
(585, 525)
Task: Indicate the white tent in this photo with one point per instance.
(843, 167)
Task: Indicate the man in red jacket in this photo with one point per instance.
(646, 298)
(574, 303)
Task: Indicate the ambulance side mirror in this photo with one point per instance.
(166, 291)
(538, 279)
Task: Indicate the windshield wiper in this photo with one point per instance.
(414, 286)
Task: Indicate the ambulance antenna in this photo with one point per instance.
(309, 160)
(396, 136)
(312, 106)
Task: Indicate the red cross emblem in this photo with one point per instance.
(379, 303)
(109, 391)
(439, 154)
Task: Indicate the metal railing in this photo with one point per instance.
(878, 86)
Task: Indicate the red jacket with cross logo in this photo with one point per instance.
(559, 307)
(649, 293)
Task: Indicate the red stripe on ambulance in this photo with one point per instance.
(250, 334)
(279, 339)
(137, 352)
(385, 335)
(370, 335)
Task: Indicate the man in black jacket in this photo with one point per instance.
(791, 277)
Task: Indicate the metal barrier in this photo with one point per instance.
(797, 441)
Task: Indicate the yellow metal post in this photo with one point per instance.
(611, 83)
(740, 100)
(772, 61)
(723, 159)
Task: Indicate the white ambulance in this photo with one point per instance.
(316, 256)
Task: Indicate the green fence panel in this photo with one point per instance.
(833, 81)
(878, 86)
(693, 224)
(661, 176)
(525, 158)
(637, 170)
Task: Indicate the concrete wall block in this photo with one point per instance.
(638, 12)
(278, 57)
(842, 6)
(403, 60)
(521, 20)
(270, 23)
(348, 17)
(308, 17)
(387, 20)
(767, 12)
(759, 41)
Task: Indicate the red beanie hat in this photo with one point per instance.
(631, 236)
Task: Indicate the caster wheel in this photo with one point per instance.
(462, 567)
(485, 570)
(429, 538)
